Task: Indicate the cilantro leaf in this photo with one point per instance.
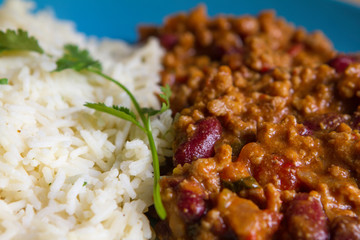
(120, 112)
(76, 59)
(165, 95)
(20, 40)
(149, 111)
(3, 81)
(125, 110)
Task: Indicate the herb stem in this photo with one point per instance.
(132, 97)
(159, 207)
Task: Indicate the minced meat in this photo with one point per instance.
(268, 120)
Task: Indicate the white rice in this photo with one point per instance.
(66, 171)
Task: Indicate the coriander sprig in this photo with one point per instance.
(79, 60)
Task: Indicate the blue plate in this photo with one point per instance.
(119, 19)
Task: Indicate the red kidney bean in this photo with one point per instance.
(168, 41)
(345, 228)
(327, 121)
(191, 205)
(341, 62)
(201, 144)
(305, 219)
(355, 121)
(217, 52)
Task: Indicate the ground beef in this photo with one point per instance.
(268, 142)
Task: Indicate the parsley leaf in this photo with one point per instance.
(20, 40)
(3, 81)
(76, 59)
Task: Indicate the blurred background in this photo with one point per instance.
(339, 20)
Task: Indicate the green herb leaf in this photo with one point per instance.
(149, 111)
(20, 40)
(4, 81)
(165, 95)
(76, 59)
(84, 184)
(242, 184)
(125, 110)
(120, 112)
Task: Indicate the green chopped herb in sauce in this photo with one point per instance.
(242, 184)
(79, 60)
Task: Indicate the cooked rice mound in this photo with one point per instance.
(66, 171)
